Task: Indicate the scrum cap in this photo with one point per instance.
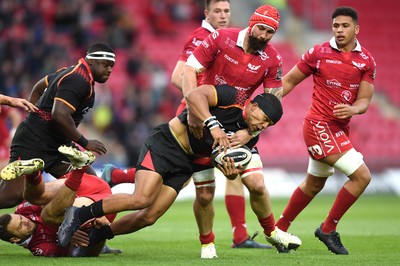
(265, 15)
(270, 105)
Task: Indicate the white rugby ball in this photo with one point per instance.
(240, 155)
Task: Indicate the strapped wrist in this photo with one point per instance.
(83, 141)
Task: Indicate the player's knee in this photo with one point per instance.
(256, 187)
(313, 185)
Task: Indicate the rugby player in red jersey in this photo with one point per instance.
(244, 59)
(217, 15)
(343, 73)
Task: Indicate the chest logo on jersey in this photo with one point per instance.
(84, 111)
(358, 65)
(346, 95)
(336, 62)
(230, 59)
(253, 68)
(219, 80)
(333, 83)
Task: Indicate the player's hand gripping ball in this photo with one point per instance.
(240, 155)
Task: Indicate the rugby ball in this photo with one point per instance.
(240, 155)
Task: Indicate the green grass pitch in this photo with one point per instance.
(370, 231)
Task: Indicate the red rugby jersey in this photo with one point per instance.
(43, 241)
(222, 54)
(194, 40)
(337, 76)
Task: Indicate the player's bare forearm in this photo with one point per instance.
(278, 92)
(189, 79)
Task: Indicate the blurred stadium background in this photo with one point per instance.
(39, 36)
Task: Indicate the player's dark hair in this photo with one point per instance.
(5, 220)
(207, 3)
(103, 47)
(346, 11)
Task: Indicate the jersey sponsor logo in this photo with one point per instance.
(358, 65)
(196, 42)
(324, 136)
(354, 86)
(230, 59)
(219, 80)
(253, 68)
(347, 142)
(333, 83)
(335, 62)
(241, 88)
(346, 95)
(339, 133)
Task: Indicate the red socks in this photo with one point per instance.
(268, 224)
(74, 179)
(343, 202)
(236, 207)
(119, 176)
(298, 201)
(206, 239)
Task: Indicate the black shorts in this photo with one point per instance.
(167, 158)
(28, 145)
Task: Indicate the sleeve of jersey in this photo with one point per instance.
(226, 95)
(73, 90)
(308, 62)
(206, 52)
(191, 43)
(370, 74)
(273, 79)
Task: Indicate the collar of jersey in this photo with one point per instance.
(333, 44)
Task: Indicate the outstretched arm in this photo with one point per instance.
(18, 102)
(292, 79)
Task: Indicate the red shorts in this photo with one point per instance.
(96, 189)
(325, 139)
(181, 107)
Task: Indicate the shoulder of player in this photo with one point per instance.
(229, 32)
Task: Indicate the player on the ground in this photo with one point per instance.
(35, 223)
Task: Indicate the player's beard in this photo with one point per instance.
(256, 44)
